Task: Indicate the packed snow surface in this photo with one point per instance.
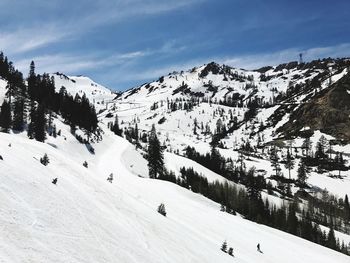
(84, 218)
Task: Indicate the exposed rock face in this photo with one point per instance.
(328, 111)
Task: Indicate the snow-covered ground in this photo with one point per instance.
(99, 95)
(84, 218)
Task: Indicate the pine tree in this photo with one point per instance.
(115, 127)
(346, 208)
(302, 173)
(240, 160)
(32, 117)
(230, 251)
(253, 186)
(32, 81)
(274, 160)
(40, 124)
(307, 144)
(289, 164)
(320, 148)
(136, 134)
(195, 124)
(155, 155)
(331, 241)
(292, 220)
(5, 116)
(45, 160)
(224, 247)
(18, 115)
(161, 209)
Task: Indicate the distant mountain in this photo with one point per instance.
(250, 157)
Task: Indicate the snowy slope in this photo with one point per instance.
(176, 128)
(96, 93)
(86, 219)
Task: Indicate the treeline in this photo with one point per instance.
(250, 204)
(32, 107)
(247, 200)
(327, 210)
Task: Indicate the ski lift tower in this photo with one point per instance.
(300, 58)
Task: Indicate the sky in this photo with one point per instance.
(124, 43)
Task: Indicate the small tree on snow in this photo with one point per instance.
(230, 251)
(161, 209)
(302, 173)
(155, 155)
(222, 208)
(224, 247)
(45, 160)
(85, 164)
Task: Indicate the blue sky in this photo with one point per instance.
(124, 43)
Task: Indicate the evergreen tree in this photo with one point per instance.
(275, 160)
(40, 124)
(32, 81)
(346, 208)
(307, 144)
(224, 247)
(5, 116)
(339, 162)
(292, 220)
(331, 241)
(253, 186)
(289, 164)
(320, 148)
(18, 115)
(45, 160)
(302, 173)
(195, 124)
(155, 155)
(240, 160)
(161, 209)
(115, 127)
(32, 117)
(136, 134)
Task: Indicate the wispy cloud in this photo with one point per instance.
(76, 64)
(23, 40)
(254, 61)
(33, 34)
(250, 61)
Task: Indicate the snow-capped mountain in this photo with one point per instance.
(81, 85)
(283, 96)
(86, 218)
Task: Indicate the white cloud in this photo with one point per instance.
(75, 64)
(23, 40)
(255, 61)
(30, 35)
(126, 67)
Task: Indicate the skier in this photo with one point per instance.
(110, 178)
(54, 181)
(258, 248)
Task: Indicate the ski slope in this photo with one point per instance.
(84, 218)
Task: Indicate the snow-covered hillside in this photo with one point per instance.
(84, 218)
(222, 94)
(96, 93)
